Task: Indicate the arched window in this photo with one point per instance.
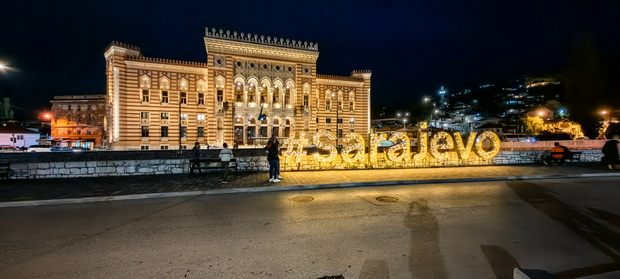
(263, 93)
(238, 92)
(306, 92)
(251, 93)
(288, 93)
(219, 85)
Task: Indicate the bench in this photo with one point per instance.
(570, 156)
(5, 170)
(209, 163)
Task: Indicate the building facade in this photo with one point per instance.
(250, 88)
(78, 120)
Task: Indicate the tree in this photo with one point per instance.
(586, 84)
(533, 124)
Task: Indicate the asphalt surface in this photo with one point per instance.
(78, 190)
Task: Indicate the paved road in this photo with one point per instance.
(53, 191)
(569, 227)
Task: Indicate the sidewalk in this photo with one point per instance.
(76, 190)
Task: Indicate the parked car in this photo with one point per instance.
(40, 148)
(9, 148)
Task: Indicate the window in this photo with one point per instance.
(89, 107)
(317, 120)
(339, 133)
(145, 131)
(184, 116)
(69, 107)
(164, 97)
(69, 132)
(144, 115)
(200, 117)
(183, 98)
(88, 132)
(144, 147)
(79, 132)
(145, 95)
(21, 137)
(351, 121)
(90, 117)
(328, 120)
(201, 132)
(201, 98)
(339, 120)
(164, 131)
(164, 115)
(328, 105)
(163, 147)
(184, 131)
(220, 95)
(350, 106)
(306, 100)
(239, 92)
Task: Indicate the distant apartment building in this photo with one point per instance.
(250, 88)
(78, 120)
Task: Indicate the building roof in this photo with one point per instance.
(6, 128)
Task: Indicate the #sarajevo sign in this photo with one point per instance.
(441, 146)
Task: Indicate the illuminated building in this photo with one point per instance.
(158, 103)
(78, 120)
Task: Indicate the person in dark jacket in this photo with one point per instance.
(273, 148)
(611, 156)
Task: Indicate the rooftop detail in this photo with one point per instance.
(123, 45)
(260, 39)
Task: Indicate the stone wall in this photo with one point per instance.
(120, 163)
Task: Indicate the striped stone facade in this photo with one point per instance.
(166, 104)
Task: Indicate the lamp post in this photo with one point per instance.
(604, 112)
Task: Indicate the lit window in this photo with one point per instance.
(145, 96)
(201, 98)
(145, 131)
(184, 116)
(200, 117)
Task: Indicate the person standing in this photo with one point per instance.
(273, 148)
(225, 155)
(196, 150)
(611, 152)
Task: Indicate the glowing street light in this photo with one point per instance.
(604, 112)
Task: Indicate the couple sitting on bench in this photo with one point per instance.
(558, 155)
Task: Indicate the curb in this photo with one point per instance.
(295, 188)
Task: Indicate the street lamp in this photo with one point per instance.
(604, 112)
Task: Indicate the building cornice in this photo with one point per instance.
(339, 82)
(260, 50)
(166, 67)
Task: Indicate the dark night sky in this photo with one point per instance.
(412, 47)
